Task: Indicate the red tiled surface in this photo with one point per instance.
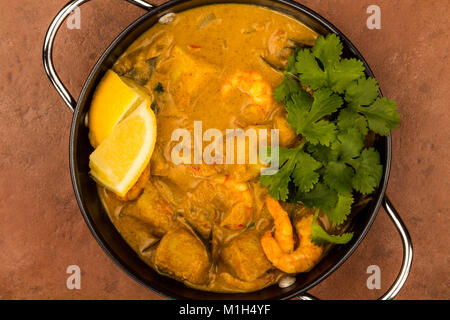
(41, 228)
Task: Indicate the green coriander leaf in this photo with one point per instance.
(361, 92)
(325, 103)
(328, 50)
(297, 108)
(323, 132)
(349, 144)
(382, 116)
(277, 182)
(322, 153)
(350, 119)
(288, 154)
(265, 154)
(310, 73)
(303, 114)
(368, 171)
(284, 154)
(343, 208)
(287, 87)
(290, 66)
(344, 72)
(338, 176)
(319, 236)
(304, 174)
(320, 197)
(299, 102)
(336, 73)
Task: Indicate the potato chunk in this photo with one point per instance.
(136, 233)
(244, 255)
(183, 256)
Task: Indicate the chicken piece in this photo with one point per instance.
(182, 255)
(186, 72)
(158, 164)
(169, 190)
(153, 209)
(245, 256)
(199, 211)
(237, 217)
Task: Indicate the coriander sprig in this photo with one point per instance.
(333, 106)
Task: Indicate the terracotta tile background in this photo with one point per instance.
(41, 228)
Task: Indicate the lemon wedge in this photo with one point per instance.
(120, 159)
(114, 98)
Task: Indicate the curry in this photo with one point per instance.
(214, 226)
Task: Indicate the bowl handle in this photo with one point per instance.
(47, 51)
(407, 255)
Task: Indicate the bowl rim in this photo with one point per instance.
(77, 121)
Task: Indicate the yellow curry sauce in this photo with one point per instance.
(202, 224)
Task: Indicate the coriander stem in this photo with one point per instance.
(292, 75)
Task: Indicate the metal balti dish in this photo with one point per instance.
(97, 219)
